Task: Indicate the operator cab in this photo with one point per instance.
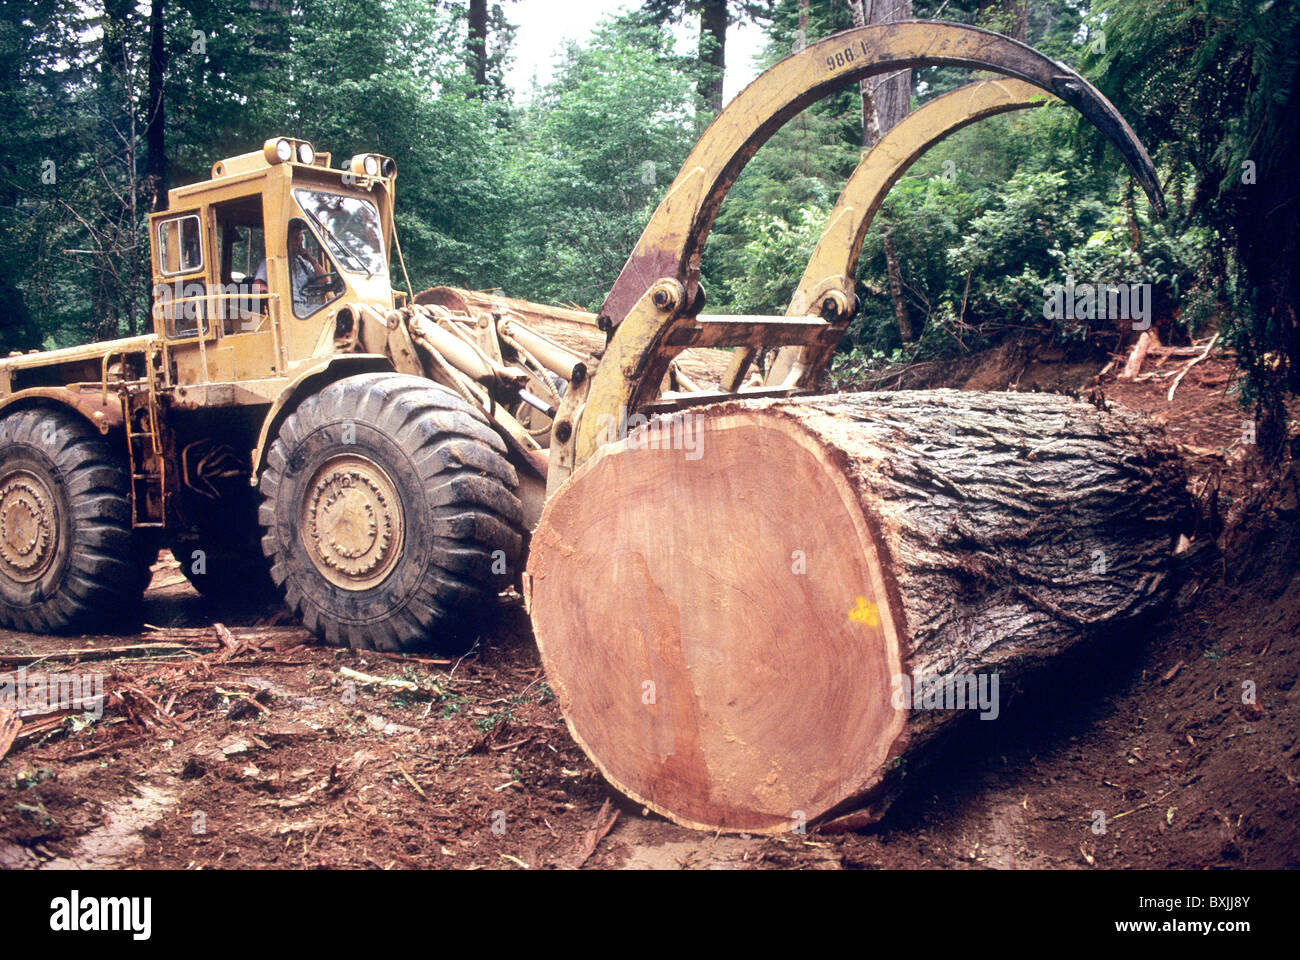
(254, 268)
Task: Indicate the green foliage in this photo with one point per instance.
(767, 283)
(592, 154)
(1213, 86)
(545, 196)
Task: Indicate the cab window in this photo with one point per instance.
(180, 302)
(314, 281)
(241, 254)
(180, 246)
(350, 227)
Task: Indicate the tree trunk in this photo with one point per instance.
(478, 36)
(1268, 230)
(895, 274)
(734, 606)
(1130, 214)
(714, 19)
(156, 122)
(885, 99)
(885, 102)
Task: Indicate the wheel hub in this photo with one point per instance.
(352, 522)
(28, 526)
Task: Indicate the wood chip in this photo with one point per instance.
(411, 780)
(9, 726)
(366, 678)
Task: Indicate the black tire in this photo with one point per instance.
(70, 561)
(389, 514)
(222, 556)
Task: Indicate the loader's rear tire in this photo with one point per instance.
(70, 561)
(389, 514)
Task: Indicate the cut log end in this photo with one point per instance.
(724, 602)
(678, 651)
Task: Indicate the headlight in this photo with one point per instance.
(277, 150)
(373, 165)
(305, 153)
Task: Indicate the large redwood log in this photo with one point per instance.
(732, 605)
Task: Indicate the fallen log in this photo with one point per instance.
(742, 610)
(1134, 365)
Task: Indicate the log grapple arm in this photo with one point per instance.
(652, 311)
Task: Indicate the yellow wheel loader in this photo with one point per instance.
(294, 422)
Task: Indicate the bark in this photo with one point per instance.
(1267, 222)
(895, 273)
(885, 99)
(1130, 215)
(727, 630)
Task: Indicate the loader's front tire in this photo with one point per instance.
(70, 561)
(389, 513)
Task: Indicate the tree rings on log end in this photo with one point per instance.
(717, 621)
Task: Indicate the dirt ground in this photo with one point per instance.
(249, 745)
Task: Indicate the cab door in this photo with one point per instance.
(182, 308)
(248, 314)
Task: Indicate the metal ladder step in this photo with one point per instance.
(139, 445)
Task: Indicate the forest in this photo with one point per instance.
(542, 193)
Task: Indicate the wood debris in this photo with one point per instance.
(9, 726)
(1179, 379)
(599, 830)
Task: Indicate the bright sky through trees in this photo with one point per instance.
(545, 25)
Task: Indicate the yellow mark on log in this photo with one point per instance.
(865, 612)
